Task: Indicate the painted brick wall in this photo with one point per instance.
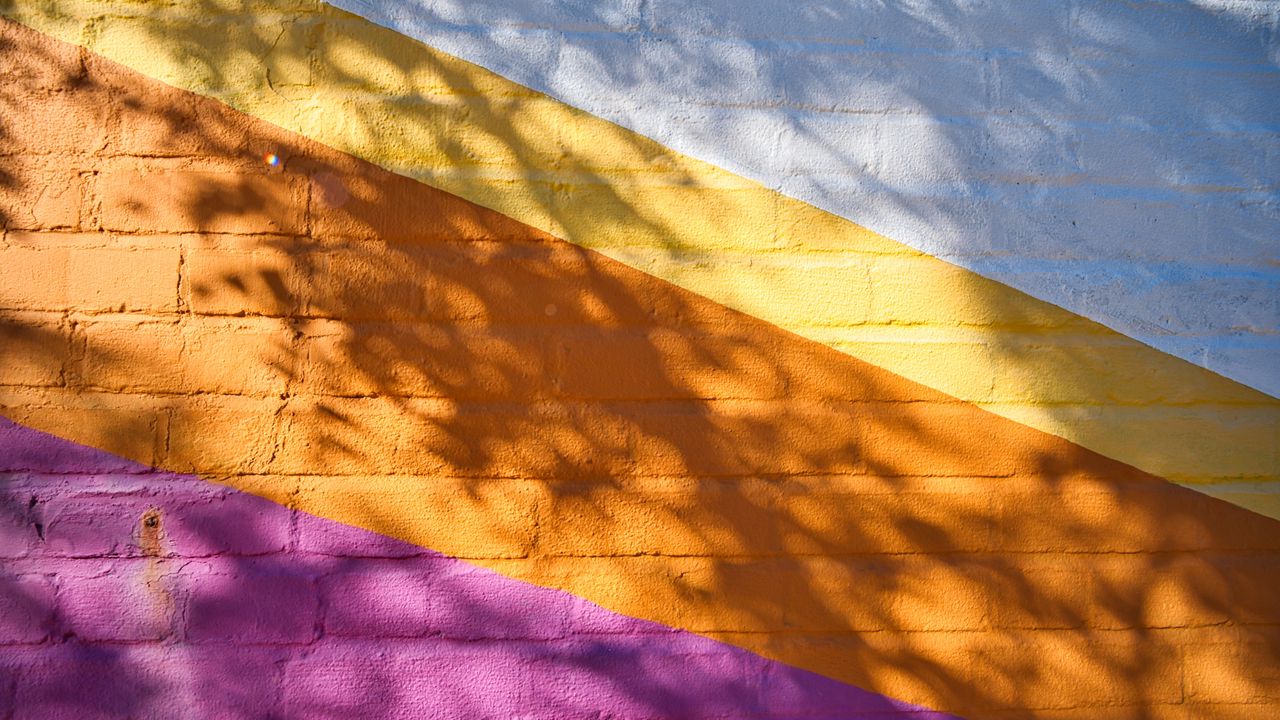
(345, 378)
(1119, 160)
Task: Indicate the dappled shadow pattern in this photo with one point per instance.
(125, 585)
(359, 346)
(1105, 140)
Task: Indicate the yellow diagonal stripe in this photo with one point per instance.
(380, 96)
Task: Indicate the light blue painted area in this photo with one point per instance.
(1119, 159)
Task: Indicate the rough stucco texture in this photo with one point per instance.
(1116, 159)
(132, 593)
(419, 459)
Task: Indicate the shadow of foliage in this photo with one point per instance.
(358, 345)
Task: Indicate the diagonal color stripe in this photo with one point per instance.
(283, 614)
(1115, 159)
(357, 345)
(390, 100)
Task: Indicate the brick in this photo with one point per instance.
(1155, 711)
(36, 348)
(8, 685)
(269, 602)
(428, 360)
(666, 364)
(615, 15)
(986, 572)
(1236, 585)
(1074, 670)
(386, 598)
(18, 517)
(541, 284)
(616, 662)
(85, 681)
(735, 438)
(226, 523)
(945, 650)
(372, 281)
(251, 356)
(340, 679)
(123, 279)
(133, 602)
(985, 29)
(244, 426)
(932, 439)
(161, 125)
(173, 200)
(321, 537)
(388, 209)
(34, 278)
(920, 290)
(37, 196)
(29, 449)
(90, 279)
(495, 284)
(793, 291)
(1192, 36)
(54, 70)
(902, 593)
(908, 518)
(130, 426)
(804, 229)
(64, 239)
(876, 593)
(914, 351)
(724, 518)
(346, 436)
(518, 283)
(85, 525)
(26, 608)
(459, 518)
(111, 681)
(1090, 369)
(418, 437)
(1170, 590)
(1043, 514)
(474, 604)
(74, 121)
(128, 354)
(1173, 436)
(231, 281)
(191, 517)
(1225, 669)
(377, 75)
(1230, 711)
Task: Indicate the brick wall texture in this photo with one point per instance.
(626, 360)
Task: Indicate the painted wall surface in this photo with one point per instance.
(1117, 159)
(866, 369)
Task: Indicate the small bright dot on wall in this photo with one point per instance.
(271, 159)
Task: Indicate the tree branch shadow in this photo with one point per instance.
(351, 342)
